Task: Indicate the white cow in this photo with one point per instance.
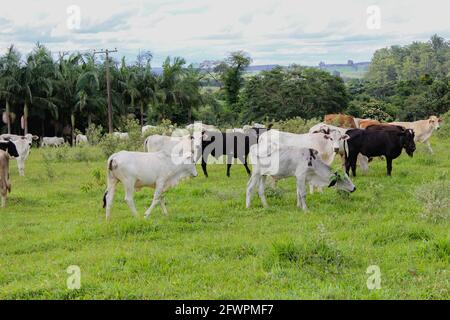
(200, 127)
(23, 146)
(135, 170)
(158, 142)
(363, 161)
(81, 139)
(147, 127)
(423, 129)
(288, 161)
(326, 144)
(121, 135)
(14, 137)
(52, 141)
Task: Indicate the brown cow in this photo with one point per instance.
(5, 185)
(364, 123)
(340, 120)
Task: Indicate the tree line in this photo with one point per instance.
(49, 95)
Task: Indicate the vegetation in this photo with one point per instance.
(211, 247)
(58, 96)
(406, 83)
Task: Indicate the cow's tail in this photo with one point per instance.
(112, 165)
(345, 149)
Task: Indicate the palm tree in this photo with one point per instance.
(88, 89)
(36, 79)
(66, 84)
(9, 79)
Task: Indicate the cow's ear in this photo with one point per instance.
(345, 137)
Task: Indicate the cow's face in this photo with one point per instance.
(408, 141)
(336, 138)
(342, 182)
(435, 122)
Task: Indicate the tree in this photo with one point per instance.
(232, 70)
(9, 80)
(37, 77)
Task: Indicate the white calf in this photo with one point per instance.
(135, 170)
(52, 141)
(287, 161)
(81, 139)
(121, 135)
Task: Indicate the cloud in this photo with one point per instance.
(272, 31)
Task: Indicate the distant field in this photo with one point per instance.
(211, 247)
(349, 72)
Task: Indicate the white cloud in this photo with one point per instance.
(272, 31)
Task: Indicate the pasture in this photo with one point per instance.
(211, 247)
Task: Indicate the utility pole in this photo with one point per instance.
(108, 87)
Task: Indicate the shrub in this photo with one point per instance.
(444, 131)
(164, 128)
(435, 199)
(295, 125)
(94, 134)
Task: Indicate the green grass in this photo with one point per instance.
(211, 247)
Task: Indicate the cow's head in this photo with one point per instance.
(11, 149)
(408, 141)
(336, 138)
(435, 122)
(342, 182)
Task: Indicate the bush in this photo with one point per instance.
(164, 128)
(94, 134)
(295, 125)
(110, 144)
(444, 131)
(435, 199)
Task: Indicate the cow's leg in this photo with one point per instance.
(163, 204)
(301, 192)
(21, 166)
(363, 163)
(229, 163)
(3, 200)
(156, 199)
(204, 167)
(262, 196)
(251, 184)
(246, 165)
(129, 191)
(350, 162)
(429, 146)
(389, 165)
(311, 188)
(354, 166)
(109, 196)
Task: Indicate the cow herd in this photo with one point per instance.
(272, 153)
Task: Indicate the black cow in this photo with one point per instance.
(10, 148)
(232, 144)
(378, 141)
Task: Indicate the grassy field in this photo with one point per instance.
(211, 247)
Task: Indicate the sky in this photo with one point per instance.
(270, 31)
